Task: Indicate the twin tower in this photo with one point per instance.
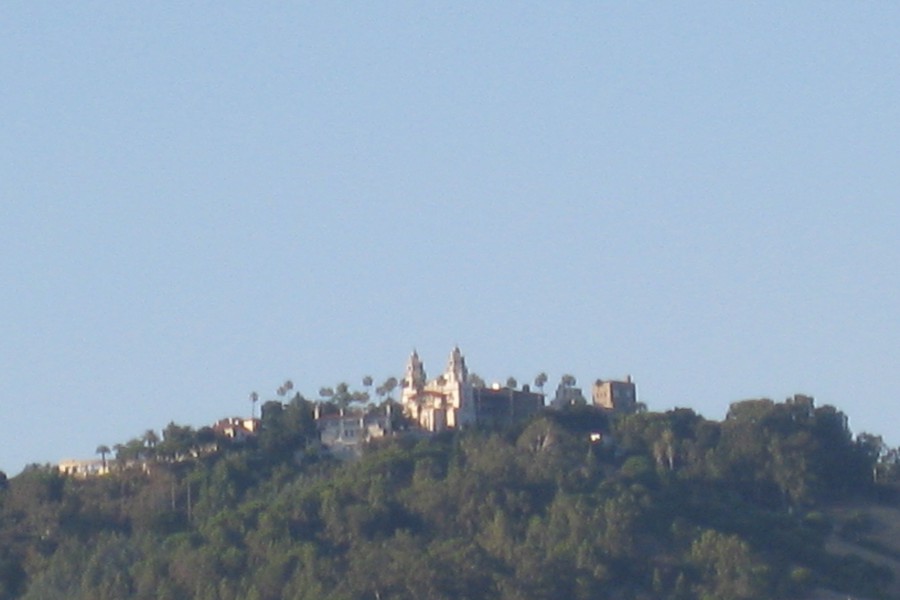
(452, 400)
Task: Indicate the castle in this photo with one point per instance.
(611, 396)
(453, 400)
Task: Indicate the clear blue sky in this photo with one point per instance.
(199, 200)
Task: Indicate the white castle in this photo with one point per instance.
(454, 400)
(446, 402)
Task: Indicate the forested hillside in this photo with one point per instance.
(657, 506)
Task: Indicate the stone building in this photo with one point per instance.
(84, 468)
(452, 400)
(567, 396)
(500, 406)
(238, 429)
(615, 396)
(345, 433)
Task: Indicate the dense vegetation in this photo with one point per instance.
(663, 505)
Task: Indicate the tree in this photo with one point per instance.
(750, 410)
(133, 450)
(511, 382)
(389, 385)
(285, 387)
(540, 380)
(103, 450)
(728, 568)
(120, 455)
(367, 382)
(342, 396)
(286, 427)
(178, 441)
(254, 398)
(150, 438)
(664, 450)
(889, 466)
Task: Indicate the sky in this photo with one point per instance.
(203, 199)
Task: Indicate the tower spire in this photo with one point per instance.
(415, 372)
(456, 366)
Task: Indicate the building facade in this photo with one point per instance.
(237, 428)
(501, 406)
(567, 396)
(84, 468)
(345, 433)
(615, 396)
(452, 400)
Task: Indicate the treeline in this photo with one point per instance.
(569, 505)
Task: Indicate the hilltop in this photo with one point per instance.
(778, 500)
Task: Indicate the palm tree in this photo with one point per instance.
(120, 454)
(285, 387)
(103, 450)
(342, 395)
(367, 382)
(150, 438)
(254, 398)
(540, 380)
(390, 384)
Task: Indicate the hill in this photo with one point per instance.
(779, 500)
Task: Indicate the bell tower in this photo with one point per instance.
(412, 386)
(456, 367)
(415, 373)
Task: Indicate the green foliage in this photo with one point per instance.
(728, 570)
(286, 428)
(660, 505)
